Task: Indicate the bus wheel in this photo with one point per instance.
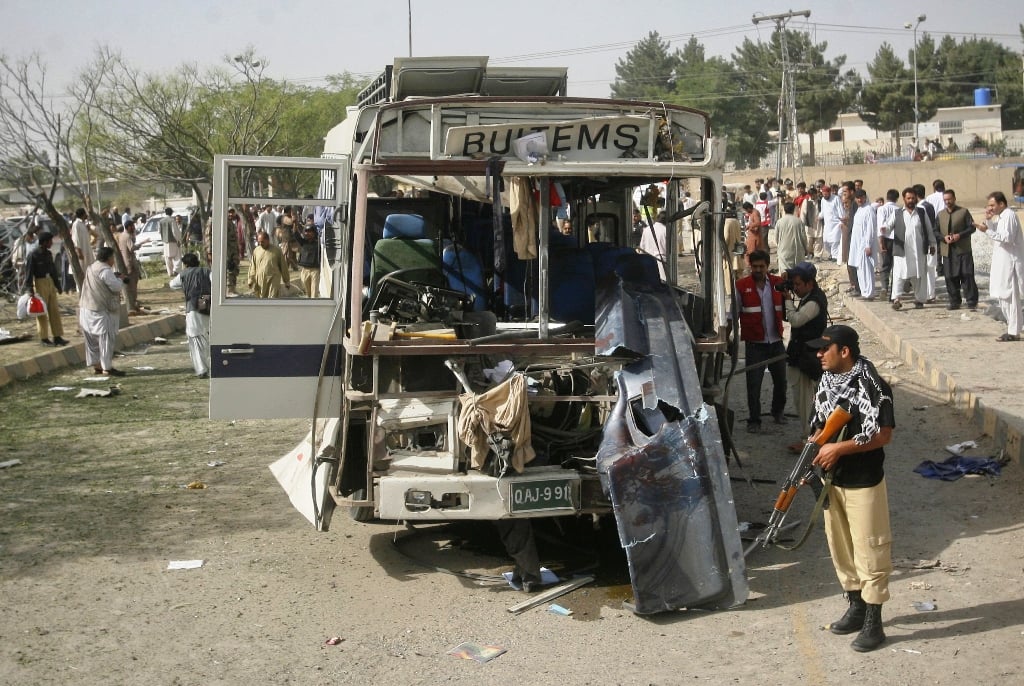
(363, 513)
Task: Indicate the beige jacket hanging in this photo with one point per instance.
(502, 408)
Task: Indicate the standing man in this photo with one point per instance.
(809, 216)
(126, 244)
(1007, 277)
(956, 258)
(807, 322)
(884, 217)
(790, 238)
(231, 249)
(171, 237)
(846, 192)
(44, 281)
(932, 260)
(194, 281)
(831, 219)
(913, 241)
(857, 519)
(268, 268)
(99, 309)
(126, 218)
(81, 238)
(864, 245)
(753, 231)
(654, 242)
(309, 259)
(761, 314)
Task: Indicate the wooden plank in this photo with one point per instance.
(551, 594)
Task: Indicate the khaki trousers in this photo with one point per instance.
(860, 540)
(47, 292)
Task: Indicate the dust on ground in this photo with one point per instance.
(98, 508)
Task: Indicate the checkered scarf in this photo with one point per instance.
(860, 389)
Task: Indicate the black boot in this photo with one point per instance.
(853, 620)
(871, 636)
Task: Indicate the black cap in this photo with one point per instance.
(805, 270)
(839, 334)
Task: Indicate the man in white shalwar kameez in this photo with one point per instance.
(99, 312)
(864, 244)
(831, 217)
(912, 242)
(1007, 276)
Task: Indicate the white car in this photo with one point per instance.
(148, 245)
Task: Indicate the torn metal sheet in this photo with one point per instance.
(662, 461)
(676, 521)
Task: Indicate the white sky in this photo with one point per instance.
(304, 40)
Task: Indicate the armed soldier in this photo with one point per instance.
(857, 520)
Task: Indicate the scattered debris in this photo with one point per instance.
(94, 379)
(9, 463)
(215, 463)
(60, 388)
(547, 577)
(906, 650)
(957, 466)
(924, 606)
(160, 340)
(7, 337)
(99, 393)
(920, 586)
(184, 564)
(559, 610)
(476, 651)
(333, 641)
(959, 448)
(551, 594)
(143, 369)
(921, 408)
(906, 563)
(195, 485)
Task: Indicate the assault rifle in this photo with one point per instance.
(803, 474)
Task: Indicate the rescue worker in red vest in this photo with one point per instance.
(762, 310)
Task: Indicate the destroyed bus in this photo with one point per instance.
(463, 358)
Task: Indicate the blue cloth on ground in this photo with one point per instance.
(955, 467)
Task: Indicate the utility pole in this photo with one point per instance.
(787, 96)
(409, 4)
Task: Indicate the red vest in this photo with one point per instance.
(751, 320)
(762, 207)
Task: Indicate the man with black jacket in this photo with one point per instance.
(857, 519)
(44, 281)
(955, 226)
(309, 258)
(195, 282)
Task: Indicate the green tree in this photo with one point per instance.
(646, 73)
(887, 98)
(823, 89)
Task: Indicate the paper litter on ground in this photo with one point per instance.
(477, 651)
(184, 564)
(143, 369)
(9, 463)
(959, 448)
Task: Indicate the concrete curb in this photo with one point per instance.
(1006, 430)
(52, 359)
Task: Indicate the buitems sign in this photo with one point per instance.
(582, 140)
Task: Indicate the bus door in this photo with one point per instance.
(275, 343)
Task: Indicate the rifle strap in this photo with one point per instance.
(819, 505)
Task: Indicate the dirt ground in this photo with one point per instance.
(97, 509)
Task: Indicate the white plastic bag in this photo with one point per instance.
(23, 306)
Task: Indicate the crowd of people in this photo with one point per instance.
(893, 247)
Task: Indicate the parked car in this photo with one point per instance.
(149, 246)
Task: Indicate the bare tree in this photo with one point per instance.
(167, 128)
(34, 139)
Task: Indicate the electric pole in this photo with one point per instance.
(787, 95)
